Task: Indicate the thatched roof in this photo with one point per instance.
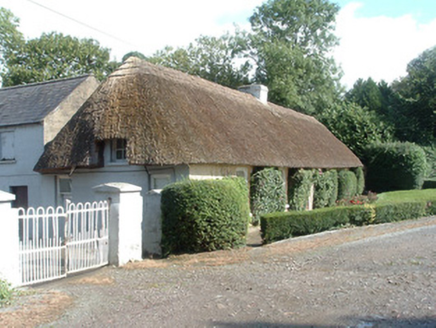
(31, 103)
(169, 117)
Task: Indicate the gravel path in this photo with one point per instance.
(376, 276)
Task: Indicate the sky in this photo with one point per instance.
(378, 38)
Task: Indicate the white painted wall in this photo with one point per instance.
(29, 145)
(215, 171)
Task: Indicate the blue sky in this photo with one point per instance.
(422, 10)
(378, 37)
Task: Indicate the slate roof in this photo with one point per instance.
(31, 103)
(169, 118)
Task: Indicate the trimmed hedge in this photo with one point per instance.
(347, 184)
(395, 166)
(267, 193)
(278, 226)
(299, 186)
(399, 211)
(326, 189)
(204, 215)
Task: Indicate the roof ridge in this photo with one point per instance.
(45, 82)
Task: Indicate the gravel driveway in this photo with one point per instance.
(375, 276)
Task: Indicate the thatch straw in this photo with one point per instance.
(170, 118)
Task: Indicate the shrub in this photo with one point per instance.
(326, 188)
(429, 184)
(347, 184)
(6, 292)
(204, 215)
(395, 166)
(267, 193)
(300, 183)
(360, 183)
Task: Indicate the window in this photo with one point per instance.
(118, 150)
(64, 188)
(159, 181)
(21, 196)
(7, 146)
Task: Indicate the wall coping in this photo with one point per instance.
(6, 197)
(116, 187)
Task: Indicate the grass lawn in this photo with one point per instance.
(407, 196)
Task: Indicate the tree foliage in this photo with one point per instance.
(356, 127)
(290, 43)
(417, 92)
(54, 56)
(51, 56)
(212, 58)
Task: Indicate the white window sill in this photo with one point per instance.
(8, 161)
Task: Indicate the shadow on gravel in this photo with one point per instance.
(252, 324)
(429, 322)
(426, 322)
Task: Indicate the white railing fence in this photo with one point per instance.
(56, 241)
(87, 235)
(42, 248)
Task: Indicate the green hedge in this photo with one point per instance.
(395, 166)
(326, 189)
(267, 193)
(399, 211)
(204, 215)
(278, 226)
(299, 184)
(347, 184)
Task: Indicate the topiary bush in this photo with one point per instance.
(326, 188)
(360, 177)
(299, 185)
(395, 166)
(347, 184)
(267, 193)
(204, 215)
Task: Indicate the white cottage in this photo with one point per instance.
(31, 116)
(150, 126)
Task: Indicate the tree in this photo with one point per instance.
(366, 94)
(54, 56)
(417, 92)
(356, 127)
(10, 37)
(291, 44)
(212, 58)
(133, 54)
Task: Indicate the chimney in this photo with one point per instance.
(257, 90)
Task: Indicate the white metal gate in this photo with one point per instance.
(58, 241)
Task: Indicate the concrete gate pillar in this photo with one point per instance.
(9, 240)
(125, 221)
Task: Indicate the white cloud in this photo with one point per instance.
(379, 47)
(144, 25)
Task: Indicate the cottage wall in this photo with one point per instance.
(216, 171)
(28, 146)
